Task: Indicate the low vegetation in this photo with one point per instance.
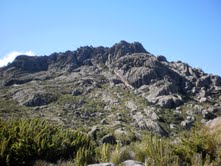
(37, 141)
(24, 141)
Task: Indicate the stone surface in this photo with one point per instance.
(146, 123)
(32, 99)
(208, 115)
(102, 164)
(165, 81)
(132, 163)
(187, 124)
(93, 131)
(131, 105)
(104, 122)
(85, 86)
(76, 92)
(108, 139)
(212, 124)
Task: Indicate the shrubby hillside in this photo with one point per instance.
(108, 104)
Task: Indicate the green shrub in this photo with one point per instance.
(84, 156)
(120, 154)
(24, 141)
(104, 153)
(153, 149)
(196, 142)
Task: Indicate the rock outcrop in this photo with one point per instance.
(166, 82)
(93, 82)
(30, 99)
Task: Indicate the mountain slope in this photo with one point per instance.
(120, 89)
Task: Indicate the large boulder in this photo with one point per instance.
(108, 139)
(31, 99)
(164, 94)
(131, 105)
(213, 124)
(170, 101)
(39, 99)
(145, 123)
(150, 113)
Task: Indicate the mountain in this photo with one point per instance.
(163, 83)
(120, 88)
(101, 104)
(112, 79)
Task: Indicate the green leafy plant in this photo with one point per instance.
(23, 141)
(84, 156)
(196, 142)
(104, 153)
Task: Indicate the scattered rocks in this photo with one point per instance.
(127, 67)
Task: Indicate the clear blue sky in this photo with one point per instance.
(187, 30)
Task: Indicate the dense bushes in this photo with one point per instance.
(191, 148)
(196, 143)
(24, 141)
(196, 147)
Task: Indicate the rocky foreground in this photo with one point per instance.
(114, 94)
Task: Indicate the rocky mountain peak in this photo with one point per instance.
(74, 58)
(122, 48)
(160, 82)
(135, 47)
(123, 85)
(29, 63)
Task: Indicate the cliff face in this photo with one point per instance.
(124, 73)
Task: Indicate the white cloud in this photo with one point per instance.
(12, 55)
